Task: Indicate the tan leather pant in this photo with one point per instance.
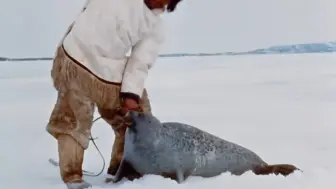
(79, 92)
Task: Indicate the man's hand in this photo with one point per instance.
(130, 104)
(130, 101)
(127, 105)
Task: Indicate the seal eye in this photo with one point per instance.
(141, 115)
(132, 127)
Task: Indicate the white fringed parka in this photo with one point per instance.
(103, 34)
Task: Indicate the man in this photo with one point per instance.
(91, 69)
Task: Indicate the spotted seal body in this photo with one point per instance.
(178, 150)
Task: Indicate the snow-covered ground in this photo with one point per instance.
(280, 106)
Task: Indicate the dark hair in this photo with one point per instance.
(172, 5)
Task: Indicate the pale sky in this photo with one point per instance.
(34, 27)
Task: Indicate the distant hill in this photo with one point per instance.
(24, 59)
(298, 48)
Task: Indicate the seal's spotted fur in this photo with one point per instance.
(177, 150)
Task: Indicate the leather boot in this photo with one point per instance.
(117, 152)
(71, 155)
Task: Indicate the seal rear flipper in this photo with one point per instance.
(126, 170)
(283, 169)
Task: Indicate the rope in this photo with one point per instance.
(88, 173)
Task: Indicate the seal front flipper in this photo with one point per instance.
(179, 176)
(126, 170)
(283, 169)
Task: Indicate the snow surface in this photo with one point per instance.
(280, 106)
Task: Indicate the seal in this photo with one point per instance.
(177, 150)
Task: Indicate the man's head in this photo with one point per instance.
(168, 5)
